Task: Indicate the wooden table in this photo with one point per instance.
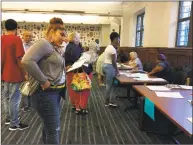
(176, 110)
(128, 82)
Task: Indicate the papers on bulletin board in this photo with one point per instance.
(158, 88)
(175, 95)
(190, 119)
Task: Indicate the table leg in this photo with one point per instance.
(128, 94)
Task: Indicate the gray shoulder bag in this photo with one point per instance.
(29, 87)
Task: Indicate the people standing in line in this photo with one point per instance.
(99, 69)
(12, 74)
(27, 38)
(44, 62)
(110, 67)
(79, 100)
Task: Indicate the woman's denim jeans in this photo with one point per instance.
(47, 105)
(109, 72)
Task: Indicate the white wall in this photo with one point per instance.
(160, 23)
(114, 26)
(105, 32)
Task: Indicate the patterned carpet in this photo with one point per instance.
(101, 126)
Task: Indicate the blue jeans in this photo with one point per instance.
(11, 95)
(47, 105)
(109, 72)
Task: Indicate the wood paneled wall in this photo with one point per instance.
(177, 57)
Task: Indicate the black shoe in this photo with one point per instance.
(7, 121)
(113, 105)
(78, 112)
(106, 104)
(19, 127)
(73, 108)
(84, 111)
(26, 109)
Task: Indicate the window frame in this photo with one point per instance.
(179, 20)
(142, 15)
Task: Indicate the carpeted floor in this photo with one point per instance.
(101, 126)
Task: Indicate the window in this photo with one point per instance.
(139, 30)
(184, 23)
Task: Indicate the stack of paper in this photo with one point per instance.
(126, 66)
(186, 87)
(158, 88)
(149, 79)
(169, 94)
(190, 119)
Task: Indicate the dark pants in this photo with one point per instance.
(47, 105)
(26, 101)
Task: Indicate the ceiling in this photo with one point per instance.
(106, 8)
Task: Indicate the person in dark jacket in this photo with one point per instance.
(73, 52)
(162, 69)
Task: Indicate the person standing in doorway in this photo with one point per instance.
(12, 52)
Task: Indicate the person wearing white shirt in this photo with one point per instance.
(110, 66)
(27, 37)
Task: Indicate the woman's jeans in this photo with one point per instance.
(47, 105)
(109, 72)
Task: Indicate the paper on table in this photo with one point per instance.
(149, 79)
(158, 88)
(169, 94)
(186, 87)
(189, 119)
(190, 101)
(126, 66)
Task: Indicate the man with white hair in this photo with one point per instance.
(135, 62)
(26, 38)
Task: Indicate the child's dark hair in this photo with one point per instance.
(10, 25)
(114, 35)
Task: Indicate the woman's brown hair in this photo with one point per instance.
(54, 25)
(56, 20)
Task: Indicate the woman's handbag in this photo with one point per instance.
(80, 82)
(29, 87)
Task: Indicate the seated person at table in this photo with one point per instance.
(189, 78)
(135, 62)
(122, 57)
(162, 69)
